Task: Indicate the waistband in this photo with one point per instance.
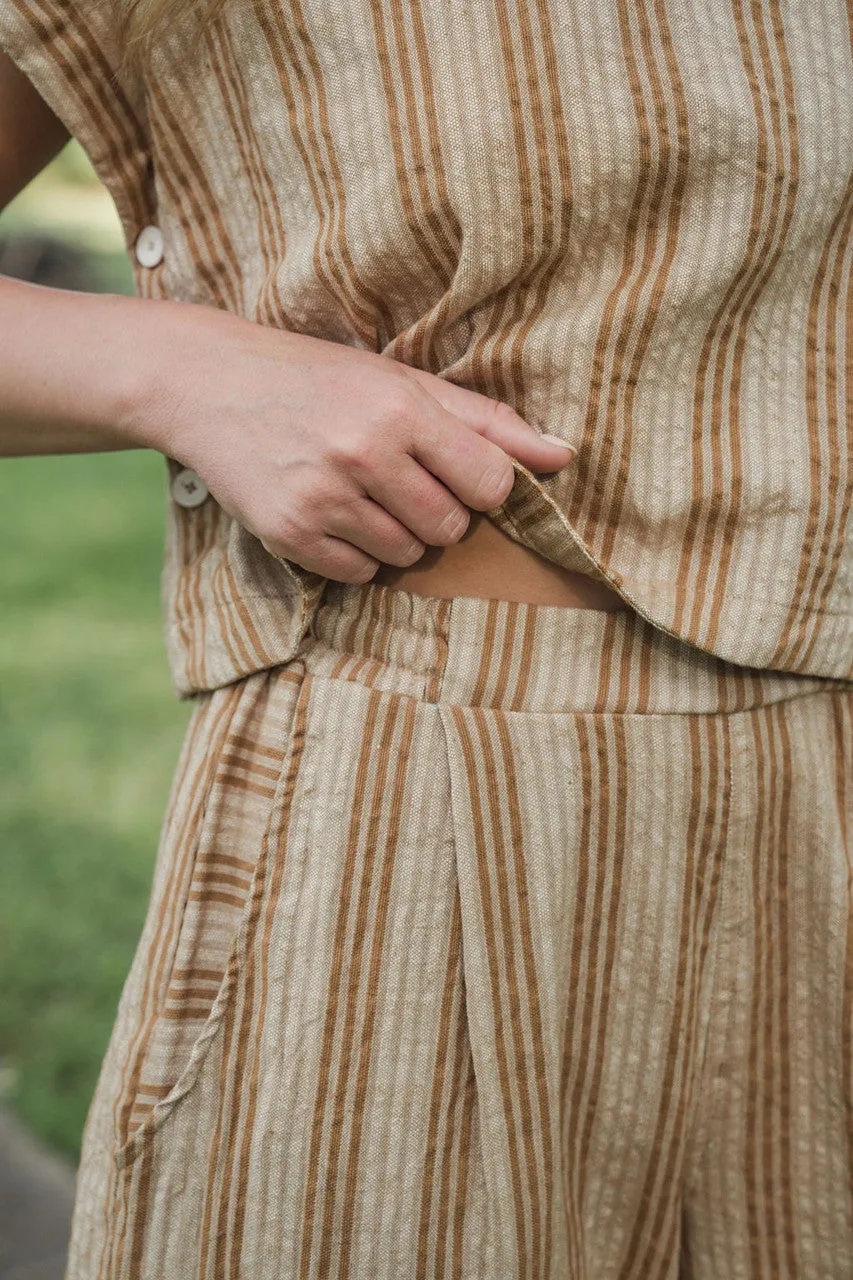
(517, 656)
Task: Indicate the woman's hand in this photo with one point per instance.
(334, 457)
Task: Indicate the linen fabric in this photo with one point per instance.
(632, 222)
(489, 940)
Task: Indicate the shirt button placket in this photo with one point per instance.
(188, 489)
(149, 246)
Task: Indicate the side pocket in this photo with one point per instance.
(190, 960)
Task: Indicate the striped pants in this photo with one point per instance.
(489, 940)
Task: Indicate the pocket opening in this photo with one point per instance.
(219, 891)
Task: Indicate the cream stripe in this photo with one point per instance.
(232, 640)
(525, 661)
(439, 1109)
(256, 977)
(756, 1114)
(835, 561)
(333, 996)
(463, 1168)
(660, 1201)
(821, 466)
(492, 942)
(781, 897)
(332, 257)
(188, 186)
(545, 246)
(282, 53)
(531, 985)
(344, 1120)
(707, 437)
(569, 1105)
(506, 927)
(226, 63)
(437, 249)
(842, 727)
(605, 914)
(488, 370)
(772, 248)
(401, 750)
(416, 346)
(658, 204)
(199, 542)
(588, 505)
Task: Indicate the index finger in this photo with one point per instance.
(497, 421)
(477, 471)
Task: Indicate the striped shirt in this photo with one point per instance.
(632, 222)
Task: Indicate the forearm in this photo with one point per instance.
(75, 369)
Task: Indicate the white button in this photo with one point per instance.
(188, 489)
(149, 247)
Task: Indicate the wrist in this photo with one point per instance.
(142, 390)
(154, 390)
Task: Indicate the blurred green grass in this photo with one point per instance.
(89, 735)
(89, 728)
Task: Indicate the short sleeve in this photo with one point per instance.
(70, 51)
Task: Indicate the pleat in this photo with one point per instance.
(590, 896)
(511, 1014)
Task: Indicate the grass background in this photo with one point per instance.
(89, 727)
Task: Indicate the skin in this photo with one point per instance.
(342, 460)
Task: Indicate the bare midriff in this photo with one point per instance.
(486, 562)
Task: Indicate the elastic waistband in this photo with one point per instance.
(526, 657)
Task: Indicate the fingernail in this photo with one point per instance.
(562, 443)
